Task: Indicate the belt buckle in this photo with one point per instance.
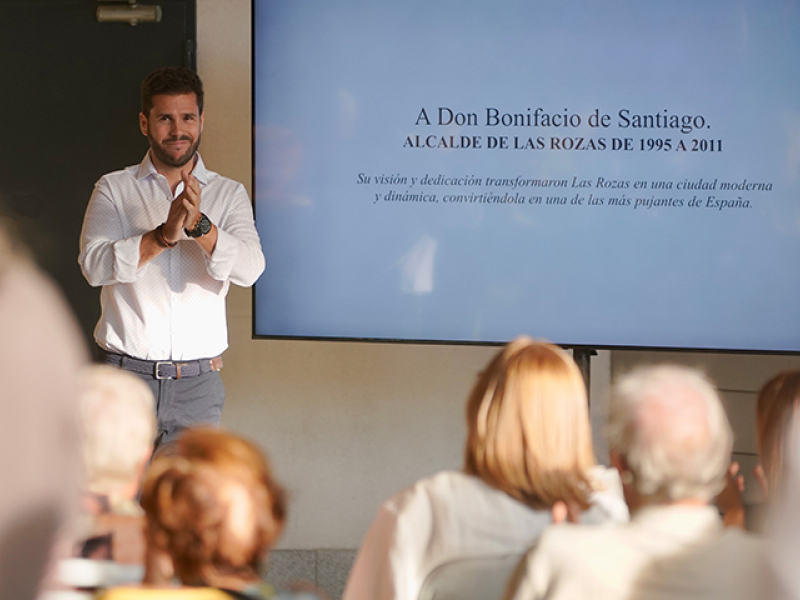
(158, 364)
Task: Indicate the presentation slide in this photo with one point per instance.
(605, 174)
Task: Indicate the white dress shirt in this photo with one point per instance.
(173, 308)
(454, 515)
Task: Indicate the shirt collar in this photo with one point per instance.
(678, 519)
(147, 168)
(200, 171)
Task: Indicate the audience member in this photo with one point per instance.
(775, 408)
(783, 522)
(40, 356)
(775, 411)
(213, 512)
(528, 448)
(671, 442)
(778, 474)
(118, 419)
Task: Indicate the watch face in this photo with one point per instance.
(203, 227)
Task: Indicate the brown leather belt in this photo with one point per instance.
(163, 369)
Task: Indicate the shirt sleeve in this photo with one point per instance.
(533, 578)
(237, 255)
(106, 257)
(387, 566)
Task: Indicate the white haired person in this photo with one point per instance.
(671, 442)
(528, 448)
(118, 418)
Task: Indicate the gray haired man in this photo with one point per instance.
(671, 442)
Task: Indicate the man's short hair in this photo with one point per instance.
(171, 81)
(669, 426)
(118, 419)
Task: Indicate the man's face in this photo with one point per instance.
(173, 128)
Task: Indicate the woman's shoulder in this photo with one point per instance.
(422, 490)
(444, 487)
(446, 491)
(455, 500)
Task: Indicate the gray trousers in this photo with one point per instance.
(182, 403)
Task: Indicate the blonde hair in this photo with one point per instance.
(775, 410)
(528, 426)
(119, 424)
(213, 506)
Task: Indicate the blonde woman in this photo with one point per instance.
(528, 448)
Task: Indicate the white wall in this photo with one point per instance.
(345, 424)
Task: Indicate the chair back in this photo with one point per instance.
(473, 578)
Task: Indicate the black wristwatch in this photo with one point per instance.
(203, 227)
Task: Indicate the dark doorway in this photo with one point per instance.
(69, 113)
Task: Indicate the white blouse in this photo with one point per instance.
(454, 515)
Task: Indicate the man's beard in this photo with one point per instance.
(166, 158)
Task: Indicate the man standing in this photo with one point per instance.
(165, 239)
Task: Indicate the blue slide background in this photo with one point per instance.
(338, 90)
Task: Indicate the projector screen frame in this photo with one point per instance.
(459, 342)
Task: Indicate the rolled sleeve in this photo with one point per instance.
(106, 257)
(237, 255)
